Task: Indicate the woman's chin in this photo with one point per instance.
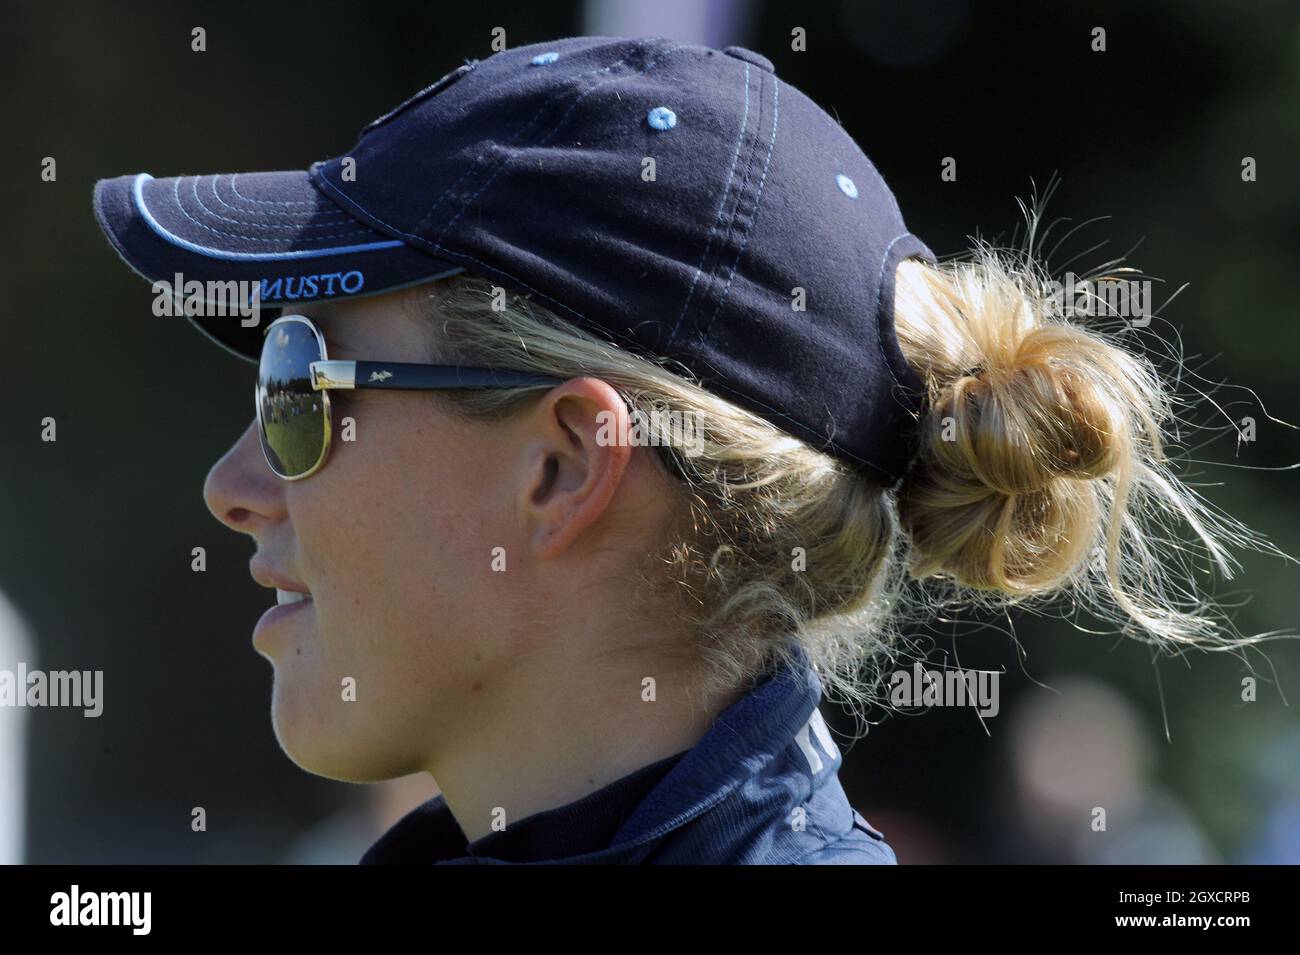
(328, 751)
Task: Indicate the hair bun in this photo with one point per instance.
(1032, 417)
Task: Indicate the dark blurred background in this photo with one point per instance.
(98, 527)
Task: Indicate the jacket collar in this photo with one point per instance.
(623, 822)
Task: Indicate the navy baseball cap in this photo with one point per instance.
(677, 200)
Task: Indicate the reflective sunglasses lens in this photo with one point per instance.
(293, 421)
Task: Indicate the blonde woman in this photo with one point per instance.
(611, 416)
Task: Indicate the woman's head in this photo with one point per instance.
(444, 557)
(1041, 471)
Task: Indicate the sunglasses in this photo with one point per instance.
(295, 377)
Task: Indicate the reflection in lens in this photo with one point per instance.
(292, 415)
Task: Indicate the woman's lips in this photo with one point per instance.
(288, 604)
(268, 576)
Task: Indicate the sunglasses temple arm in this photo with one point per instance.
(409, 376)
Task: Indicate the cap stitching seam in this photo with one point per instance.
(273, 202)
(266, 225)
(758, 201)
(176, 189)
(737, 206)
(736, 209)
(722, 205)
(263, 212)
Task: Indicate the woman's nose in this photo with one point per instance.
(241, 491)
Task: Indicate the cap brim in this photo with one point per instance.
(273, 232)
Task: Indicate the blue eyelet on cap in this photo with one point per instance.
(541, 59)
(661, 117)
(847, 186)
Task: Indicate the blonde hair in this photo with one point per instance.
(1042, 471)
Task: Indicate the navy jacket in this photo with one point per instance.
(761, 787)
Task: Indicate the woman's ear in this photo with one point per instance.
(576, 453)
